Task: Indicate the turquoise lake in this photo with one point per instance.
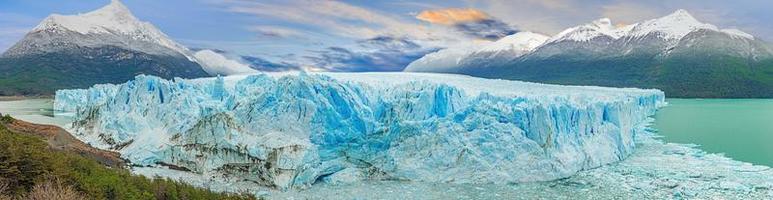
(742, 129)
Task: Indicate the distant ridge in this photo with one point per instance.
(675, 53)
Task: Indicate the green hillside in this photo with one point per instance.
(43, 74)
(30, 170)
(716, 77)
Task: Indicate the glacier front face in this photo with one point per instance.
(296, 129)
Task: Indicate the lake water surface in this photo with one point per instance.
(39, 111)
(740, 128)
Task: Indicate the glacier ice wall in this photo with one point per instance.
(293, 130)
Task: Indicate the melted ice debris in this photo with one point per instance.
(656, 170)
(217, 64)
(114, 18)
(290, 130)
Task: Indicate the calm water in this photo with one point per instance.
(740, 128)
(34, 110)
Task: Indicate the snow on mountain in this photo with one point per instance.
(516, 43)
(217, 64)
(294, 129)
(598, 28)
(112, 19)
(442, 60)
(671, 27)
(511, 46)
(738, 33)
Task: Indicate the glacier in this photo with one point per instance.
(292, 130)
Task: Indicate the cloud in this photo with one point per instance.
(452, 16)
(629, 13)
(554, 4)
(277, 32)
(379, 36)
(542, 16)
(488, 29)
(381, 53)
(350, 37)
(388, 43)
(470, 22)
(335, 17)
(265, 65)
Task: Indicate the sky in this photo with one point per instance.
(365, 35)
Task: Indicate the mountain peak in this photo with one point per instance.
(520, 42)
(681, 15)
(597, 28)
(116, 5)
(673, 26)
(115, 10)
(113, 19)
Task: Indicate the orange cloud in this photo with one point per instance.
(452, 16)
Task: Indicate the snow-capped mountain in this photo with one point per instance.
(651, 53)
(677, 25)
(501, 50)
(599, 28)
(107, 45)
(672, 27)
(517, 43)
(111, 25)
(217, 64)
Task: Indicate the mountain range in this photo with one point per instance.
(108, 45)
(675, 53)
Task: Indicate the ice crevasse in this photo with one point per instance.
(295, 129)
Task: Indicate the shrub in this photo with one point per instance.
(54, 190)
(6, 118)
(3, 189)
